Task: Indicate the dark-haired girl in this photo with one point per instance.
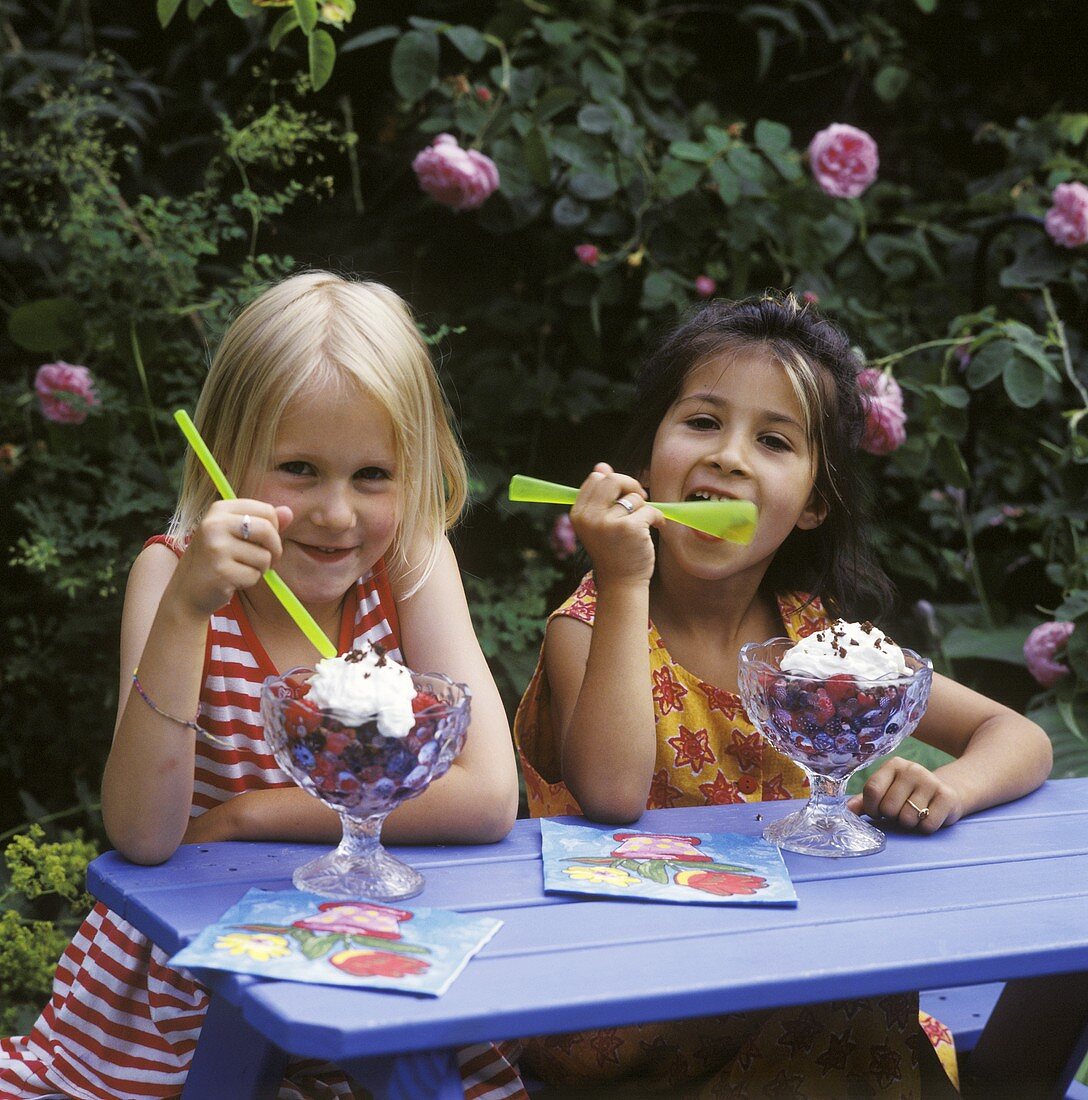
(756, 400)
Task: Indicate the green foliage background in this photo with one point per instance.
(152, 180)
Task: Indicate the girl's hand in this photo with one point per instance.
(900, 782)
(227, 553)
(616, 535)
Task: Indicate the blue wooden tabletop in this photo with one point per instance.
(1002, 894)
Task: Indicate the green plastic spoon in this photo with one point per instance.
(292, 604)
(734, 520)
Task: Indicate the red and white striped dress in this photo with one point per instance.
(120, 1022)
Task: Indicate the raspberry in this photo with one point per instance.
(423, 700)
(824, 707)
(838, 687)
(337, 740)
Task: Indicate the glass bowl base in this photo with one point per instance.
(377, 876)
(834, 834)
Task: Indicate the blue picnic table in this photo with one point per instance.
(1000, 897)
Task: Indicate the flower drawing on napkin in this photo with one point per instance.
(663, 858)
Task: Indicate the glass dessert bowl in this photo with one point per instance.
(363, 774)
(830, 725)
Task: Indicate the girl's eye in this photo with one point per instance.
(702, 423)
(296, 469)
(775, 442)
(372, 473)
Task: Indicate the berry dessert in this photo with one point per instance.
(832, 702)
(361, 733)
(841, 698)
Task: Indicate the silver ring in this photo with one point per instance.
(246, 521)
(626, 505)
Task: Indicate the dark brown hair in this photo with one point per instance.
(834, 560)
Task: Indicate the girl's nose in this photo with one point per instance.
(335, 511)
(731, 456)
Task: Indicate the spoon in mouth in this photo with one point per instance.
(734, 520)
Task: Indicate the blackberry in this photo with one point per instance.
(355, 756)
(315, 741)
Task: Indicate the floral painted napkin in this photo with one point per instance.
(306, 938)
(706, 868)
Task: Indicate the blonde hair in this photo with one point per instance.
(309, 332)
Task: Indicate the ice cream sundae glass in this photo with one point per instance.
(363, 733)
(832, 702)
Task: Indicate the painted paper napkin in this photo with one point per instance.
(703, 868)
(306, 938)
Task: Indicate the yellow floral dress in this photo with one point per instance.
(708, 753)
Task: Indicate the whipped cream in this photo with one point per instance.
(365, 683)
(860, 650)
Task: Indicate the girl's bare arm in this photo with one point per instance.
(147, 786)
(1000, 756)
(600, 676)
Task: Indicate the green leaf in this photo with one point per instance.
(307, 15)
(591, 186)
(1001, 643)
(468, 40)
(727, 180)
(594, 119)
(537, 158)
(956, 396)
(690, 150)
(281, 28)
(414, 64)
(988, 363)
(1024, 382)
(370, 38)
(322, 58)
(654, 870)
(568, 214)
(891, 82)
(771, 137)
(745, 163)
(49, 324)
(194, 8)
(678, 178)
(317, 947)
(555, 100)
(244, 9)
(926, 6)
(166, 10)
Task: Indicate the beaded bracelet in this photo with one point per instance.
(197, 729)
(151, 703)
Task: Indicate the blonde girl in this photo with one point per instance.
(324, 411)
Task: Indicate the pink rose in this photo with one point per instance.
(461, 179)
(810, 298)
(705, 286)
(844, 160)
(1067, 219)
(588, 254)
(562, 538)
(884, 415)
(65, 393)
(1039, 649)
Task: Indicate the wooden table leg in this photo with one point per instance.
(233, 1059)
(429, 1074)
